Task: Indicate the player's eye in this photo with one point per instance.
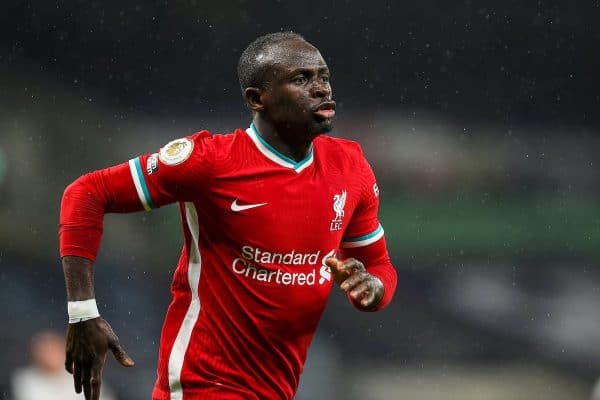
(300, 80)
(325, 78)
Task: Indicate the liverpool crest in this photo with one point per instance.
(339, 202)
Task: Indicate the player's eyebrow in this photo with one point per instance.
(309, 71)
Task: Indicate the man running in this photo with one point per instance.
(271, 216)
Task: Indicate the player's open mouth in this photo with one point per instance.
(325, 109)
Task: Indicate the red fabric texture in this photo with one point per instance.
(84, 204)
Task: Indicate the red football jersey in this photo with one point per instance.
(251, 283)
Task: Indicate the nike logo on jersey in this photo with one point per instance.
(237, 207)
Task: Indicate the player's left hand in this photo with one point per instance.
(365, 290)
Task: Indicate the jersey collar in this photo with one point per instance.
(268, 151)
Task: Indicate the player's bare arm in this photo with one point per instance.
(88, 341)
(365, 290)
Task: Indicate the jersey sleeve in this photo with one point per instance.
(180, 171)
(364, 227)
(364, 238)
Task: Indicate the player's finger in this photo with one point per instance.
(69, 363)
(334, 264)
(77, 376)
(120, 354)
(96, 379)
(352, 265)
(352, 281)
(360, 291)
(336, 269)
(86, 375)
(368, 299)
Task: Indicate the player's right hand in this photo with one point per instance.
(87, 345)
(364, 290)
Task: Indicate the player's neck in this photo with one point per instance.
(295, 150)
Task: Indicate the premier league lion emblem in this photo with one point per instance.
(176, 151)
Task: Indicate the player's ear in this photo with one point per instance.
(253, 98)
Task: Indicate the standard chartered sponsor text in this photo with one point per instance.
(252, 261)
(290, 258)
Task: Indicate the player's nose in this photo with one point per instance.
(321, 89)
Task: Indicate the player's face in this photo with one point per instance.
(298, 96)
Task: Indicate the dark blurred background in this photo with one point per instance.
(480, 120)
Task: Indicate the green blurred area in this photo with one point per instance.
(431, 231)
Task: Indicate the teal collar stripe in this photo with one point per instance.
(142, 181)
(265, 147)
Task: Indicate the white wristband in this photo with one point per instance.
(80, 311)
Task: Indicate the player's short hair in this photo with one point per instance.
(251, 72)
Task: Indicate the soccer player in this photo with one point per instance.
(266, 212)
